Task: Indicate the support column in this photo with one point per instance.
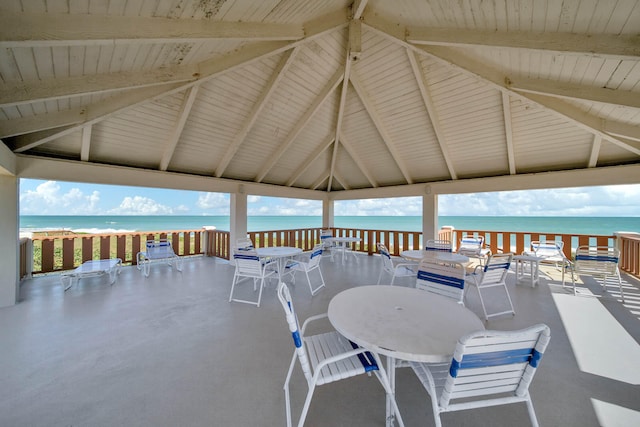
(238, 216)
(429, 216)
(328, 215)
(9, 240)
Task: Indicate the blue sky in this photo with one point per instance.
(39, 197)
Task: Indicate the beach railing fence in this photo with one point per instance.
(48, 253)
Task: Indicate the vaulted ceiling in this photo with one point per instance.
(323, 94)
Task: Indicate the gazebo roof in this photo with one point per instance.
(322, 95)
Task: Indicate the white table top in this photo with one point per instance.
(417, 255)
(404, 323)
(278, 251)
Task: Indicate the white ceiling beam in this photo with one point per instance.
(622, 130)
(39, 122)
(508, 132)
(341, 181)
(310, 160)
(35, 167)
(492, 77)
(578, 117)
(357, 8)
(341, 104)
(318, 182)
(7, 161)
(189, 98)
(355, 39)
(595, 151)
(566, 90)
(48, 29)
(300, 125)
(86, 143)
(17, 93)
(272, 84)
(431, 111)
(620, 46)
(91, 114)
(380, 126)
(358, 161)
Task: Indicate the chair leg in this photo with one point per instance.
(380, 276)
(532, 413)
(287, 397)
(307, 403)
(620, 286)
(233, 285)
(484, 310)
(509, 299)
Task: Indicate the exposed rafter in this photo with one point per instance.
(189, 98)
(276, 77)
(22, 125)
(622, 130)
(566, 90)
(622, 46)
(40, 29)
(595, 151)
(508, 132)
(358, 161)
(431, 110)
(86, 143)
(382, 130)
(357, 8)
(310, 160)
(304, 120)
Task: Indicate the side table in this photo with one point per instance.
(527, 269)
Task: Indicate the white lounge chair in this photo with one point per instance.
(473, 247)
(158, 251)
(551, 252)
(438, 245)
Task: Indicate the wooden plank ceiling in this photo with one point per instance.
(324, 94)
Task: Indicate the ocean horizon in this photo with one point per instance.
(124, 223)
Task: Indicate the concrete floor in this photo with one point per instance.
(170, 350)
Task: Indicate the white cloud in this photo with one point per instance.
(47, 199)
(139, 205)
(401, 206)
(213, 203)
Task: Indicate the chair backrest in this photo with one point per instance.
(471, 244)
(597, 260)
(316, 255)
(549, 249)
(387, 262)
(446, 280)
(247, 262)
(324, 236)
(292, 320)
(159, 249)
(496, 269)
(244, 243)
(495, 362)
(438, 245)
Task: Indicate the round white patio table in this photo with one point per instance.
(417, 255)
(401, 323)
(280, 254)
(343, 242)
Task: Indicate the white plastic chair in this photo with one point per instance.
(493, 274)
(488, 368)
(446, 280)
(392, 267)
(245, 243)
(327, 244)
(597, 261)
(158, 251)
(326, 358)
(438, 245)
(473, 247)
(249, 265)
(307, 267)
(551, 252)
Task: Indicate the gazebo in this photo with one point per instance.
(325, 100)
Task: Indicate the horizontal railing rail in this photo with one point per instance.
(64, 252)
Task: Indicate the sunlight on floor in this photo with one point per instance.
(601, 345)
(610, 415)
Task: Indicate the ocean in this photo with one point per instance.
(107, 224)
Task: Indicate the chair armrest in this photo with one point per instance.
(312, 319)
